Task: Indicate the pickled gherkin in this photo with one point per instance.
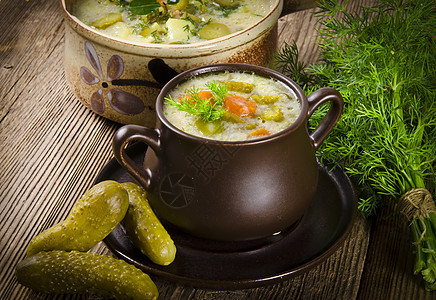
(239, 86)
(272, 114)
(92, 218)
(62, 272)
(265, 99)
(145, 230)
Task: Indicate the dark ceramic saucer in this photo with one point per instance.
(237, 265)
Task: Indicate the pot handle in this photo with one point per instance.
(329, 121)
(130, 133)
(160, 71)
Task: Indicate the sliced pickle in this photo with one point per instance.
(107, 21)
(181, 5)
(238, 86)
(227, 3)
(272, 114)
(251, 126)
(229, 117)
(213, 30)
(209, 128)
(265, 99)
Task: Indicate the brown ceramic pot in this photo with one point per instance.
(230, 190)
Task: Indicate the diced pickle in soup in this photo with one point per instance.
(170, 22)
(238, 106)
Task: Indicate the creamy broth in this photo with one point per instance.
(188, 21)
(276, 107)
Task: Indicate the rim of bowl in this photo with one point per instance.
(214, 45)
(234, 67)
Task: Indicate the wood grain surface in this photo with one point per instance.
(52, 148)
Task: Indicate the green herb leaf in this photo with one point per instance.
(287, 61)
(219, 92)
(142, 7)
(206, 109)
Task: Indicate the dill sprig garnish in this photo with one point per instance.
(209, 109)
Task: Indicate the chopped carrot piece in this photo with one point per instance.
(260, 132)
(202, 95)
(240, 106)
(205, 95)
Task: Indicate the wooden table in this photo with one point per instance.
(52, 148)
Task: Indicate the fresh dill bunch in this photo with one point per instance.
(382, 62)
(287, 61)
(209, 109)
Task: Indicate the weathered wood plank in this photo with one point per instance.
(25, 22)
(52, 147)
(388, 271)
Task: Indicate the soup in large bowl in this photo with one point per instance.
(173, 22)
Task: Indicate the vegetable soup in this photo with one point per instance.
(231, 106)
(170, 22)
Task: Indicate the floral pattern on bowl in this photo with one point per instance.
(121, 101)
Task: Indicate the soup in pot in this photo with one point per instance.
(170, 21)
(231, 106)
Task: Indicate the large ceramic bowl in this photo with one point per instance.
(120, 80)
